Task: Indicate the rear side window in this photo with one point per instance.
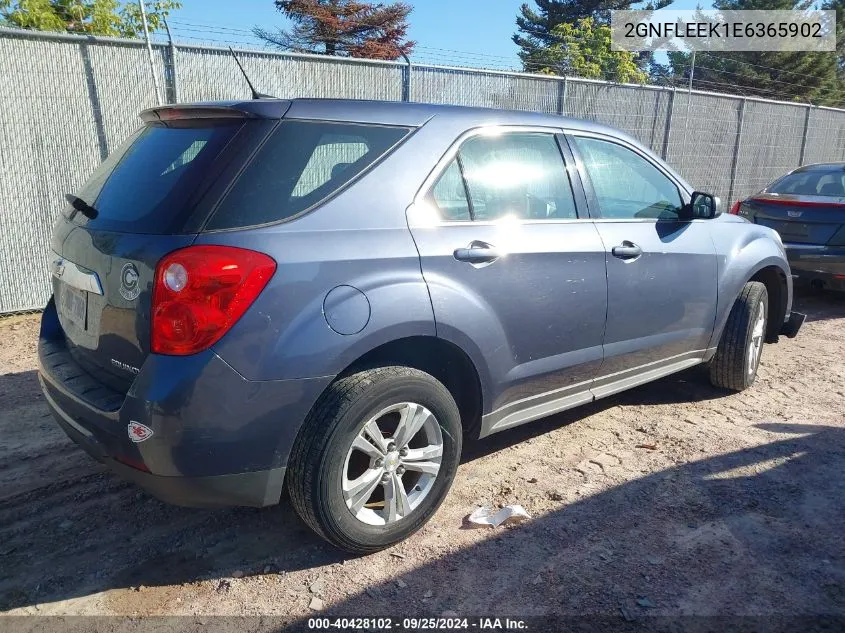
(145, 186)
(816, 182)
(300, 165)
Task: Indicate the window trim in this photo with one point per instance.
(684, 191)
(578, 192)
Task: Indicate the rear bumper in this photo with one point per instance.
(258, 488)
(822, 266)
(216, 438)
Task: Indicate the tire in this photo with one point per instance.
(322, 475)
(737, 358)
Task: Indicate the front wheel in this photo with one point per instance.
(376, 457)
(737, 358)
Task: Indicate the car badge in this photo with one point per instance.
(130, 287)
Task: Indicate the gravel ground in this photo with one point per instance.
(671, 499)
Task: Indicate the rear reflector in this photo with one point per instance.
(200, 292)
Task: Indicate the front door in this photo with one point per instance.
(661, 268)
(517, 278)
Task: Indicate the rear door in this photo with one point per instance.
(148, 198)
(661, 269)
(515, 270)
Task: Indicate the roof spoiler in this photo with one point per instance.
(163, 114)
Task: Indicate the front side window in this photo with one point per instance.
(517, 174)
(627, 185)
(300, 165)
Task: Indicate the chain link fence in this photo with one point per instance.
(68, 101)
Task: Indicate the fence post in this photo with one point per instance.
(804, 138)
(561, 97)
(668, 124)
(737, 147)
(150, 51)
(406, 79)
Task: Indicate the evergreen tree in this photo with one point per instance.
(347, 28)
(536, 27)
(805, 76)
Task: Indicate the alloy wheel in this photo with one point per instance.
(392, 464)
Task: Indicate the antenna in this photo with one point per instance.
(255, 93)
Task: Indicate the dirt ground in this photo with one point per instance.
(738, 508)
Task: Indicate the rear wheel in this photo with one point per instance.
(738, 356)
(376, 457)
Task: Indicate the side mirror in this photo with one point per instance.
(703, 206)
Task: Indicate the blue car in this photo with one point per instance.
(330, 295)
(807, 209)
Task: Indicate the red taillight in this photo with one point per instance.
(200, 292)
(735, 207)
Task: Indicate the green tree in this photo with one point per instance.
(349, 28)
(536, 27)
(582, 49)
(813, 77)
(91, 17)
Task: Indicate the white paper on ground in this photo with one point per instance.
(485, 516)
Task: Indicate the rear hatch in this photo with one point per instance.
(151, 196)
(806, 206)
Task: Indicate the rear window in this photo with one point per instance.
(300, 165)
(817, 182)
(145, 186)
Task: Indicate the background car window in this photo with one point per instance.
(449, 195)
(813, 182)
(627, 186)
(519, 174)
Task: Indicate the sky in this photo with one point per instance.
(448, 32)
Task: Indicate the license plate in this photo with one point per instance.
(74, 305)
(794, 230)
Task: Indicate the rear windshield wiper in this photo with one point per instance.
(80, 205)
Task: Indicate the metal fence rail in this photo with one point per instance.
(68, 101)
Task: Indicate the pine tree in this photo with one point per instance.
(536, 27)
(813, 77)
(348, 28)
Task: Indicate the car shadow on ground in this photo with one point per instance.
(819, 305)
(751, 532)
(74, 530)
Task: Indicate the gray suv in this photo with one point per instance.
(331, 295)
